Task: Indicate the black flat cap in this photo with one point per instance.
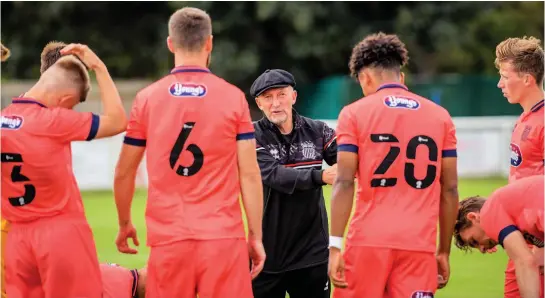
(271, 78)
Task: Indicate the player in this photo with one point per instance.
(40, 197)
(520, 64)
(511, 217)
(50, 55)
(4, 55)
(200, 152)
(120, 282)
(403, 149)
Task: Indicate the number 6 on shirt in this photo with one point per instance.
(198, 157)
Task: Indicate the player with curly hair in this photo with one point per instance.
(402, 149)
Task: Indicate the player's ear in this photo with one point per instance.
(294, 97)
(402, 78)
(208, 45)
(528, 79)
(170, 45)
(473, 217)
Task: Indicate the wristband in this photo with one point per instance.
(335, 242)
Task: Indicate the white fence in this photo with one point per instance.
(483, 151)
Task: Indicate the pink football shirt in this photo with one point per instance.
(37, 176)
(190, 122)
(401, 139)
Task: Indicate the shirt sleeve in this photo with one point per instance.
(69, 125)
(330, 147)
(245, 128)
(495, 219)
(347, 133)
(136, 129)
(284, 179)
(449, 145)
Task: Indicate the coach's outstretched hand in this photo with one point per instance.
(335, 268)
(257, 256)
(85, 54)
(125, 232)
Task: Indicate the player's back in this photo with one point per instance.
(522, 202)
(37, 177)
(117, 281)
(192, 121)
(401, 139)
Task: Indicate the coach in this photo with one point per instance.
(290, 151)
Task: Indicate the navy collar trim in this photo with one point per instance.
(23, 100)
(392, 85)
(537, 106)
(189, 69)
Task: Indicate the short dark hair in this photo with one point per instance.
(75, 73)
(378, 50)
(189, 28)
(471, 204)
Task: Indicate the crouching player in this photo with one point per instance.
(120, 282)
(512, 217)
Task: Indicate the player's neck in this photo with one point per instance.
(38, 94)
(184, 59)
(534, 95)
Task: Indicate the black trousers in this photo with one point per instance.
(311, 282)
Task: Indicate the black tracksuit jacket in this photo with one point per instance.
(295, 226)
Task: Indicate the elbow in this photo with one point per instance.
(123, 174)
(526, 262)
(449, 193)
(122, 123)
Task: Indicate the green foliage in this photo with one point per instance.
(313, 40)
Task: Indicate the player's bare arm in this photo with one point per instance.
(448, 211)
(124, 185)
(252, 199)
(113, 120)
(341, 206)
(526, 268)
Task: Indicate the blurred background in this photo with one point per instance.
(451, 44)
(451, 47)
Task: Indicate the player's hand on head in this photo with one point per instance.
(85, 54)
(257, 257)
(125, 232)
(335, 268)
(443, 269)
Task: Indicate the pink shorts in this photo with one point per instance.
(52, 257)
(210, 268)
(388, 273)
(511, 287)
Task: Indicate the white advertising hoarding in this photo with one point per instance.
(483, 151)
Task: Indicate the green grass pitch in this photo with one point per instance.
(473, 275)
